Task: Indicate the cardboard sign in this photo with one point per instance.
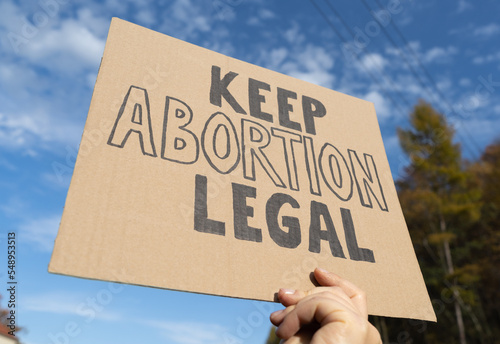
(202, 173)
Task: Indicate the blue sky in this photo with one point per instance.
(446, 52)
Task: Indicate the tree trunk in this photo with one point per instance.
(456, 294)
(382, 328)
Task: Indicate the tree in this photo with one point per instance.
(438, 204)
(272, 338)
(4, 321)
(486, 238)
(4, 314)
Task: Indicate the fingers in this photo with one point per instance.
(291, 297)
(304, 335)
(357, 296)
(331, 283)
(330, 310)
(326, 278)
(278, 316)
(322, 308)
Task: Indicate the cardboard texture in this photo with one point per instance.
(202, 173)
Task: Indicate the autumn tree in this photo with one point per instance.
(439, 204)
(272, 338)
(4, 314)
(4, 318)
(484, 236)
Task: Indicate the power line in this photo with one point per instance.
(386, 80)
(417, 76)
(422, 83)
(432, 91)
(362, 63)
(403, 56)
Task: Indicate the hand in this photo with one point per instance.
(334, 313)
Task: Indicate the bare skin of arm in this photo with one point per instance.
(334, 313)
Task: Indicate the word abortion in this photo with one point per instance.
(221, 147)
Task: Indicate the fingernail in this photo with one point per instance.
(323, 270)
(273, 314)
(287, 291)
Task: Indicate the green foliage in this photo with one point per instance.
(272, 338)
(452, 210)
(440, 238)
(435, 179)
(486, 238)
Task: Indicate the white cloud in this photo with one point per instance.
(7, 164)
(266, 14)
(71, 47)
(56, 302)
(312, 64)
(59, 179)
(17, 131)
(293, 35)
(222, 47)
(69, 303)
(391, 144)
(13, 206)
(263, 14)
(487, 58)
(11, 17)
(98, 25)
(463, 5)
(433, 55)
(185, 19)
(444, 84)
(220, 41)
(414, 56)
(408, 85)
(487, 30)
(465, 82)
(483, 130)
(91, 79)
(146, 17)
(381, 106)
(115, 6)
(275, 57)
(467, 108)
(52, 42)
(21, 79)
(40, 232)
(189, 332)
(411, 49)
(36, 129)
(253, 21)
(439, 54)
(43, 82)
(372, 62)
(316, 57)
